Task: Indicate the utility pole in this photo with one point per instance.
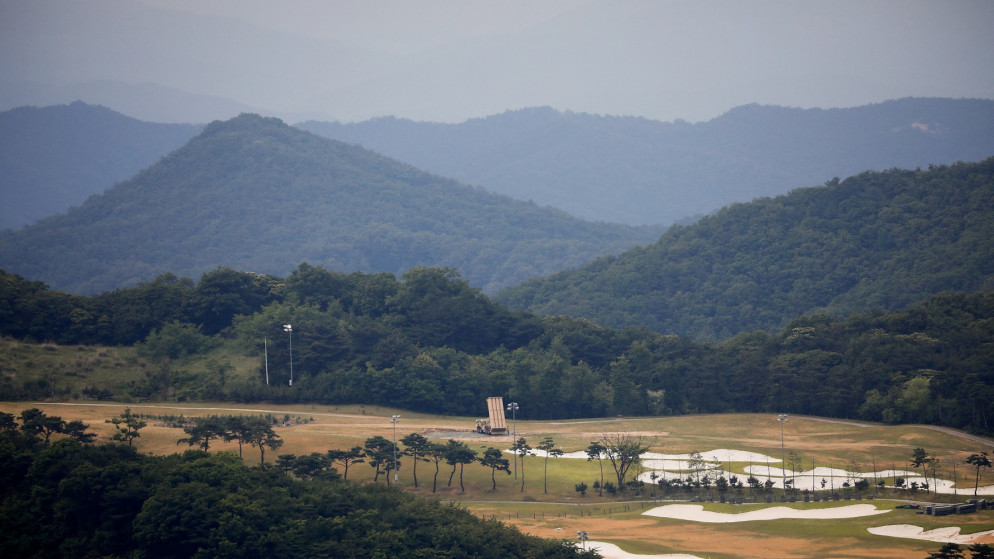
(782, 418)
(513, 408)
(289, 330)
(395, 420)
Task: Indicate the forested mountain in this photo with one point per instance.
(55, 157)
(876, 240)
(638, 171)
(429, 342)
(605, 168)
(256, 194)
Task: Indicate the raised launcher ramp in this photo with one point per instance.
(498, 425)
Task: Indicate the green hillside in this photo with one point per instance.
(429, 342)
(255, 194)
(878, 240)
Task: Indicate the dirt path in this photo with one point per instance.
(195, 408)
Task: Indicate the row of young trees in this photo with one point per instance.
(251, 430)
(622, 451)
(37, 423)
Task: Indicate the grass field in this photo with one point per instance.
(619, 520)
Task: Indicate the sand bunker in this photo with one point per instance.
(670, 466)
(611, 551)
(949, 534)
(696, 513)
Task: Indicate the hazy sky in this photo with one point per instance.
(449, 60)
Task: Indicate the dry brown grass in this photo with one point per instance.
(534, 512)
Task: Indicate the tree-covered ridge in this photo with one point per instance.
(639, 171)
(429, 342)
(53, 158)
(877, 240)
(255, 194)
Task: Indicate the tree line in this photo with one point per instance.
(428, 341)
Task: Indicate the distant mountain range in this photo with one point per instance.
(875, 241)
(637, 171)
(258, 195)
(55, 157)
(615, 169)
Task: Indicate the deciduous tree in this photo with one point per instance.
(625, 450)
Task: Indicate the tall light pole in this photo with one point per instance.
(289, 330)
(395, 420)
(782, 418)
(582, 536)
(513, 408)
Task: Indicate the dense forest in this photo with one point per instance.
(876, 240)
(68, 498)
(255, 194)
(639, 171)
(430, 342)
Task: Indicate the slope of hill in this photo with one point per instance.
(255, 194)
(876, 240)
(53, 158)
(637, 171)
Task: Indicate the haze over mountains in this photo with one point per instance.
(200, 60)
(639, 171)
(615, 169)
(55, 157)
(258, 195)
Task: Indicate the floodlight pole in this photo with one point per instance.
(395, 419)
(289, 330)
(513, 408)
(582, 536)
(782, 418)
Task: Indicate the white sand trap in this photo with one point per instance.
(611, 551)
(949, 534)
(696, 513)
